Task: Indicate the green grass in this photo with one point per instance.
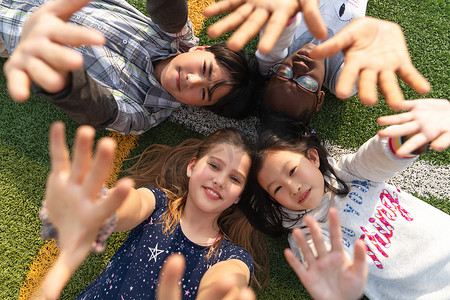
(24, 160)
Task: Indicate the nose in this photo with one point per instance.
(219, 180)
(294, 188)
(300, 68)
(194, 80)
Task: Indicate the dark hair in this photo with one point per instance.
(164, 167)
(246, 83)
(264, 213)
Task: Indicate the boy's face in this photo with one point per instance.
(285, 96)
(189, 78)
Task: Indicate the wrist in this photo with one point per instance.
(396, 142)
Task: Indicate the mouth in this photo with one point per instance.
(304, 196)
(178, 81)
(212, 194)
(303, 55)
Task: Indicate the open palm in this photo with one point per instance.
(329, 274)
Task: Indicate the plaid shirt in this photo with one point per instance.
(124, 64)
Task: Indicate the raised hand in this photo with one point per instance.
(72, 199)
(330, 275)
(41, 55)
(250, 16)
(172, 273)
(427, 120)
(375, 50)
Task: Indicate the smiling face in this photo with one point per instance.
(292, 179)
(189, 77)
(285, 96)
(218, 178)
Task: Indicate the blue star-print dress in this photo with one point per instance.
(132, 273)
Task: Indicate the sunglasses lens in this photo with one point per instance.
(283, 71)
(308, 83)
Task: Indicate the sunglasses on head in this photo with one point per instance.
(305, 82)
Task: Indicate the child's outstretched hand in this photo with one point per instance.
(250, 16)
(330, 275)
(41, 56)
(172, 273)
(427, 120)
(375, 50)
(72, 199)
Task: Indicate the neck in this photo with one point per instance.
(161, 66)
(199, 227)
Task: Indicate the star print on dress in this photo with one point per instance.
(136, 276)
(155, 252)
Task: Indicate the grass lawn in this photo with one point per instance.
(24, 160)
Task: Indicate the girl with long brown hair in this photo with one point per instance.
(192, 209)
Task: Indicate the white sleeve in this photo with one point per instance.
(374, 161)
(280, 50)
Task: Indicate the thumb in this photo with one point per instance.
(169, 277)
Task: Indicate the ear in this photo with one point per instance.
(190, 166)
(313, 156)
(320, 98)
(197, 48)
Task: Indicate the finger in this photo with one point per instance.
(308, 255)
(82, 153)
(248, 30)
(402, 130)
(296, 265)
(101, 167)
(230, 22)
(359, 259)
(313, 18)
(316, 235)
(75, 35)
(347, 79)
(18, 82)
(46, 77)
(410, 75)
(275, 26)
(221, 7)
(411, 144)
(65, 8)
(61, 58)
(442, 142)
(367, 87)
(59, 154)
(395, 119)
(341, 41)
(115, 198)
(169, 277)
(335, 230)
(390, 89)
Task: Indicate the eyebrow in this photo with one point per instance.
(224, 163)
